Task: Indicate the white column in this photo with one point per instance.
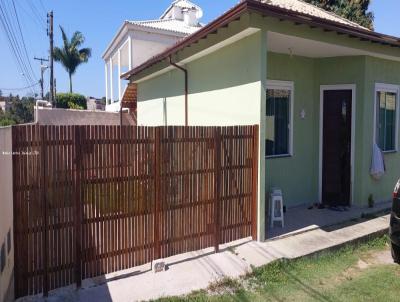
(119, 76)
(111, 81)
(130, 52)
(106, 77)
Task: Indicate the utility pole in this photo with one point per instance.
(42, 69)
(55, 91)
(51, 36)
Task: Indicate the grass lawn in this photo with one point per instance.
(361, 273)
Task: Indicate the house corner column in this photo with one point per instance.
(262, 199)
(106, 79)
(111, 82)
(130, 52)
(119, 77)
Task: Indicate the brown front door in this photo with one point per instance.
(336, 153)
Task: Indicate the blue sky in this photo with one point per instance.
(99, 21)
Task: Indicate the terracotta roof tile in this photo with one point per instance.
(312, 10)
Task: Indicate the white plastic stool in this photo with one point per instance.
(276, 199)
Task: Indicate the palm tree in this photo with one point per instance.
(69, 55)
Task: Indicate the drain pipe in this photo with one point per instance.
(186, 87)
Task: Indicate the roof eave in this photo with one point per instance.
(271, 11)
(303, 18)
(225, 19)
(128, 25)
(119, 32)
(164, 31)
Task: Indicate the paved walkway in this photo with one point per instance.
(300, 218)
(196, 270)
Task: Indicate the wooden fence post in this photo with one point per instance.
(254, 206)
(43, 158)
(217, 187)
(78, 204)
(16, 222)
(157, 195)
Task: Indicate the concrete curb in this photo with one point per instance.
(352, 242)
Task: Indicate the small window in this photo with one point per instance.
(278, 120)
(9, 241)
(2, 257)
(386, 118)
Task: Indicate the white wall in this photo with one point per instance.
(6, 214)
(113, 107)
(65, 117)
(162, 112)
(146, 45)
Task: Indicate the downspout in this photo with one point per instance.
(186, 88)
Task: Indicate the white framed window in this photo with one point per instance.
(386, 116)
(279, 119)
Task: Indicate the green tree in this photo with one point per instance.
(20, 111)
(24, 110)
(353, 10)
(71, 101)
(5, 121)
(69, 55)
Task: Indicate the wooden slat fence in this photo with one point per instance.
(90, 200)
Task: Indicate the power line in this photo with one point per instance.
(30, 14)
(36, 11)
(21, 88)
(11, 41)
(22, 38)
(42, 6)
(10, 21)
(9, 27)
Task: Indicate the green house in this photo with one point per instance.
(322, 89)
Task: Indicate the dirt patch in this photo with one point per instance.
(382, 257)
(361, 264)
(365, 262)
(374, 258)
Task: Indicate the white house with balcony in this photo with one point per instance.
(138, 41)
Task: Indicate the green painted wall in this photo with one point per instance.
(228, 87)
(219, 84)
(300, 184)
(213, 102)
(347, 70)
(297, 175)
(387, 72)
(254, 20)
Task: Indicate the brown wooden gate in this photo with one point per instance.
(90, 200)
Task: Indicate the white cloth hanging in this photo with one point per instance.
(378, 163)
